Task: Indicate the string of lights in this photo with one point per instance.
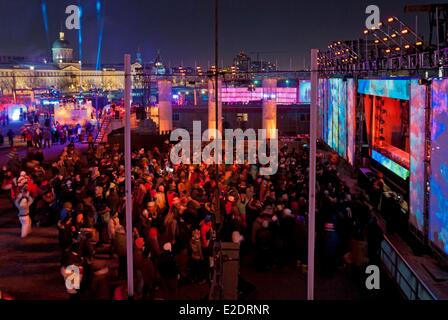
(390, 43)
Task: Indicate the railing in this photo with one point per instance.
(105, 122)
(409, 283)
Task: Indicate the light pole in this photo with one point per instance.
(127, 161)
(217, 121)
(312, 175)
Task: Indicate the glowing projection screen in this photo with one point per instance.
(337, 116)
(323, 109)
(438, 212)
(305, 91)
(351, 120)
(395, 88)
(417, 146)
(342, 120)
(328, 114)
(333, 104)
(400, 171)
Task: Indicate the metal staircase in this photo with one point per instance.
(103, 131)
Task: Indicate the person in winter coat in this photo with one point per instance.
(330, 241)
(154, 244)
(301, 242)
(263, 247)
(169, 272)
(71, 261)
(197, 258)
(100, 287)
(160, 199)
(120, 250)
(113, 224)
(139, 246)
(23, 202)
(149, 273)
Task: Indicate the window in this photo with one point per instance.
(176, 116)
(242, 117)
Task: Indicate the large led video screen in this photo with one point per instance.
(388, 163)
(322, 105)
(438, 213)
(284, 96)
(391, 88)
(351, 120)
(417, 155)
(333, 105)
(342, 119)
(304, 91)
(337, 120)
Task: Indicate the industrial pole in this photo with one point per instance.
(127, 162)
(312, 174)
(96, 109)
(217, 121)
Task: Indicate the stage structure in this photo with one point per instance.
(405, 121)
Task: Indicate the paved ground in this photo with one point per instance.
(29, 267)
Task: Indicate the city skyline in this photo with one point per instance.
(184, 36)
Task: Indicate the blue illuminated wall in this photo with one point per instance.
(391, 88)
(342, 120)
(322, 102)
(417, 155)
(333, 111)
(305, 91)
(438, 213)
(351, 120)
(394, 167)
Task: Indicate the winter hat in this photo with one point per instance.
(153, 232)
(268, 210)
(139, 243)
(167, 246)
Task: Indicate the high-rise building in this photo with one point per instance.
(242, 61)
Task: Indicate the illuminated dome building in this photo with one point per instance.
(157, 67)
(62, 52)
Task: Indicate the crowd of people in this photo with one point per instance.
(38, 136)
(177, 218)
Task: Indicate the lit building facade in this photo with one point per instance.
(63, 73)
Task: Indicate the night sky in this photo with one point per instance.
(183, 29)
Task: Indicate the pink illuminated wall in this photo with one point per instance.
(285, 96)
(351, 120)
(438, 213)
(417, 155)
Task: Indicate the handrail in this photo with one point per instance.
(398, 256)
(102, 126)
